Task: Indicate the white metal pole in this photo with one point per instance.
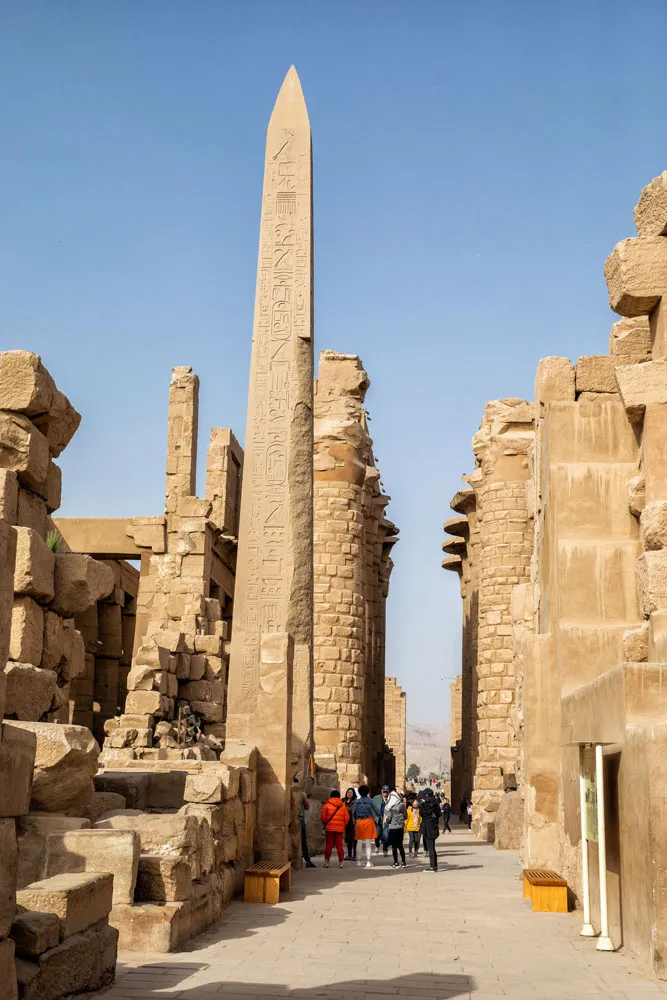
(604, 941)
(587, 929)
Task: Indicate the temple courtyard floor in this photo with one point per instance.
(388, 934)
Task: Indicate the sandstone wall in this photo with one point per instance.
(352, 541)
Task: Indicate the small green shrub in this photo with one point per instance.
(54, 540)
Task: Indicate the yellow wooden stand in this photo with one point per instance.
(546, 890)
(265, 881)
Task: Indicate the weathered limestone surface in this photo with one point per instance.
(270, 680)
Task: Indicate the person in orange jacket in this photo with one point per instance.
(335, 817)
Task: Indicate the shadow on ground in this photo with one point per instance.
(173, 983)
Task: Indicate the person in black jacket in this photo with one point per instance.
(430, 828)
(446, 814)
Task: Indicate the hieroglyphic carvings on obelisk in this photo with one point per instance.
(270, 681)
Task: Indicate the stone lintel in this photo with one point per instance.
(104, 537)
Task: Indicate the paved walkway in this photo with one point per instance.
(464, 932)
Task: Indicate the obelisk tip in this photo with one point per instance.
(290, 104)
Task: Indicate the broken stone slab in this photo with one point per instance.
(149, 533)
(17, 758)
(630, 340)
(93, 851)
(240, 755)
(163, 879)
(207, 710)
(32, 511)
(53, 489)
(637, 494)
(104, 802)
(74, 664)
(53, 645)
(80, 581)
(30, 691)
(65, 762)
(595, 373)
(636, 275)
(132, 786)
(34, 933)
(641, 385)
(651, 209)
(24, 450)
(145, 703)
(27, 631)
(60, 424)
(8, 869)
(160, 833)
(82, 962)
(25, 384)
(79, 899)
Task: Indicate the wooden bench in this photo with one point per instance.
(265, 881)
(546, 890)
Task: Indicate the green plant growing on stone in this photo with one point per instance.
(54, 540)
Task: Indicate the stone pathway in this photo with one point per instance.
(464, 932)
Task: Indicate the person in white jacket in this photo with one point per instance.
(394, 818)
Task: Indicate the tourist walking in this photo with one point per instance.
(334, 815)
(394, 822)
(413, 824)
(446, 815)
(469, 810)
(366, 818)
(380, 801)
(350, 835)
(430, 814)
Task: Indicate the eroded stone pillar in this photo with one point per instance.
(273, 620)
(395, 727)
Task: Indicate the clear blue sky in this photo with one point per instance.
(474, 165)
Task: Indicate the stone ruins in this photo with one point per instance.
(170, 682)
(560, 543)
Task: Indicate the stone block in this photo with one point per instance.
(651, 209)
(8, 870)
(33, 830)
(630, 340)
(208, 711)
(637, 494)
(641, 385)
(206, 787)
(652, 581)
(82, 962)
(30, 691)
(25, 384)
(17, 758)
(8, 970)
(104, 802)
(636, 275)
(80, 581)
(53, 646)
(239, 755)
(144, 703)
(172, 641)
(61, 423)
(9, 490)
(24, 450)
(79, 899)
(163, 878)
(653, 523)
(27, 631)
(74, 664)
(53, 489)
(211, 644)
(554, 380)
(34, 933)
(160, 833)
(595, 373)
(98, 850)
(32, 511)
(132, 786)
(65, 762)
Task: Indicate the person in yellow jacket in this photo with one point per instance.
(413, 825)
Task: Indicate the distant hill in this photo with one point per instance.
(428, 746)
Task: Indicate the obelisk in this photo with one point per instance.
(270, 677)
